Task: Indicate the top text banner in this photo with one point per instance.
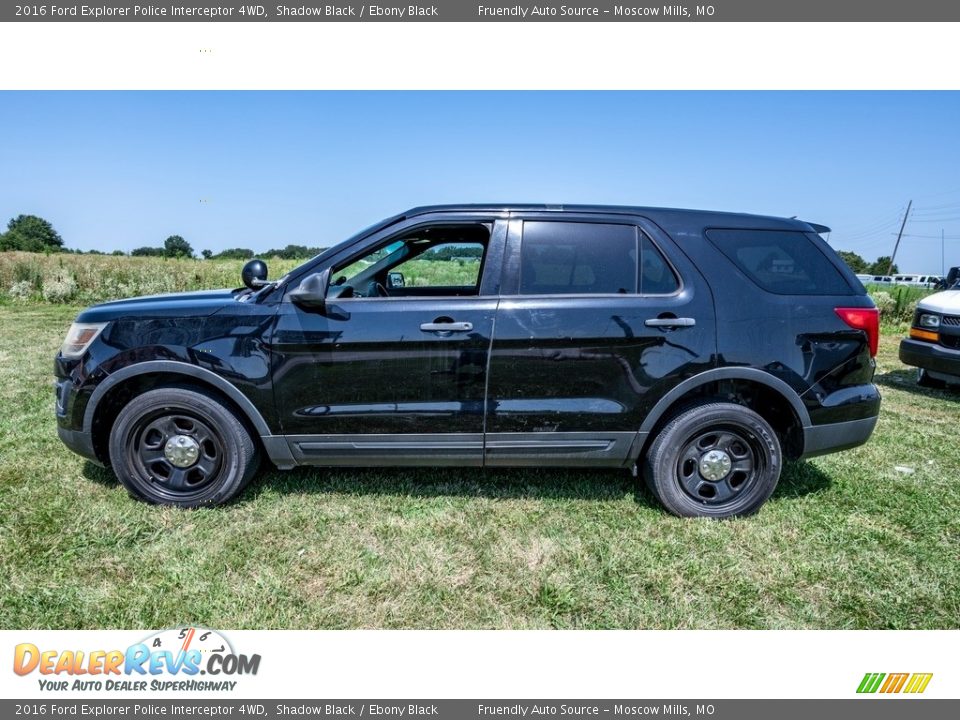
(488, 10)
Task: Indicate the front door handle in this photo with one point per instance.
(670, 322)
(447, 327)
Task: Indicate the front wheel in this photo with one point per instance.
(174, 446)
(714, 460)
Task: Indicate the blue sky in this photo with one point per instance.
(263, 169)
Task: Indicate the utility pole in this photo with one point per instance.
(942, 266)
(899, 235)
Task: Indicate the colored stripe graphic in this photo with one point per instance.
(870, 682)
(894, 683)
(918, 682)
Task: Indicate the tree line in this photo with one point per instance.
(881, 266)
(29, 233)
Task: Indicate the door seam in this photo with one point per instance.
(486, 385)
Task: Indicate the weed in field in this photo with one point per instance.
(89, 279)
(22, 291)
(897, 304)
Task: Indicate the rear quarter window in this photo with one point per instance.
(784, 262)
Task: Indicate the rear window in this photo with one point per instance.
(784, 262)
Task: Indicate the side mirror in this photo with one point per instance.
(395, 280)
(312, 292)
(254, 274)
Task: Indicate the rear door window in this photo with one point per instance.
(784, 262)
(578, 258)
(656, 275)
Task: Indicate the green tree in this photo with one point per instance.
(118, 252)
(31, 234)
(234, 254)
(207, 254)
(294, 252)
(175, 246)
(853, 261)
(147, 252)
(880, 267)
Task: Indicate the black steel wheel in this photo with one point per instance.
(181, 447)
(714, 460)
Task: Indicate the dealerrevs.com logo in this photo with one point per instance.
(169, 660)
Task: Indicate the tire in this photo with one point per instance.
(925, 381)
(740, 475)
(174, 446)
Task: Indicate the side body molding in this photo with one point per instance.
(727, 373)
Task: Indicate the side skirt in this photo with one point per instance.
(566, 449)
(463, 449)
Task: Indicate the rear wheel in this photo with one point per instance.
(714, 460)
(174, 446)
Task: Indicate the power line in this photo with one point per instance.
(940, 194)
(934, 237)
(941, 205)
(870, 226)
(873, 230)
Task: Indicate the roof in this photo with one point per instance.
(675, 220)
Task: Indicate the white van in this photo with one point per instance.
(917, 280)
(933, 346)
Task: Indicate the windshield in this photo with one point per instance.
(299, 269)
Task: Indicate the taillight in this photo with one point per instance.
(866, 319)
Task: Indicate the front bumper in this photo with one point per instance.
(930, 356)
(80, 442)
(70, 404)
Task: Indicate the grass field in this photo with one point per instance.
(28, 278)
(848, 541)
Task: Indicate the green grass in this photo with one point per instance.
(29, 278)
(61, 278)
(846, 542)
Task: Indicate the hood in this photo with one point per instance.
(947, 302)
(186, 304)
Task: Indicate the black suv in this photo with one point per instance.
(701, 348)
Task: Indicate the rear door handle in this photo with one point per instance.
(670, 322)
(447, 327)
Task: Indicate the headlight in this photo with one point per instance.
(931, 322)
(79, 337)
